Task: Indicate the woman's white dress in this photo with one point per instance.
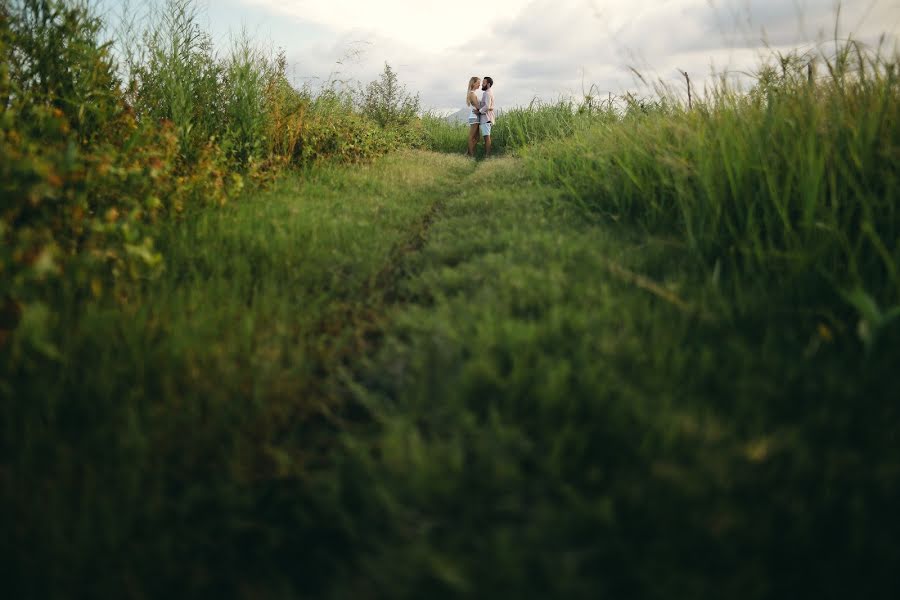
(473, 117)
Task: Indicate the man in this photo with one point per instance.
(486, 113)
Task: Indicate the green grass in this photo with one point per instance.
(444, 136)
(555, 423)
(792, 187)
(518, 127)
(425, 378)
(650, 352)
(158, 435)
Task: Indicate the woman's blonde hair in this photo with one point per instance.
(472, 81)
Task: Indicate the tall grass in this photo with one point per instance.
(792, 185)
(54, 56)
(239, 101)
(180, 80)
(373, 382)
(519, 127)
(443, 135)
(157, 422)
(101, 139)
(247, 75)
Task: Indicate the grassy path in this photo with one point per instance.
(426, 377)
(168, 418)
(571, 410)
(524, 394)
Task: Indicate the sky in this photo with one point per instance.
(544, 49)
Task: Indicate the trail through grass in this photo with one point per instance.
(570, 410)
(649, 353)
(428, 377)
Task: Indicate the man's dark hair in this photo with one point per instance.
(489, 80)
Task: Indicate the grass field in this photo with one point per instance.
(427, 377)
(649, 352)
(519, 127)
(221, 374)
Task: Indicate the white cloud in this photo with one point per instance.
(424, 24)
(551, 48)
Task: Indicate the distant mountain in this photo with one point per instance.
(451, 115)
(454, 116)
(460, 116)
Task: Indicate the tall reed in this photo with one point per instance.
(247, 120)
(792, 184)
(180, 78)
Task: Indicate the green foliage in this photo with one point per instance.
(90, 165)
(59, 219)
(440, 135)
(423, 377)
(55, 58)
(567, 410)
(791, 186)
(180, 80)
(652, 358)
(348, 138)
(387, 102)
(519, 127)
(872, 320)
(243, 102)
(247, 77)
(136, 442)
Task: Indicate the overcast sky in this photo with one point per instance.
(537, 48)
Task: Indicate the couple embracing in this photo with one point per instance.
(482, 116)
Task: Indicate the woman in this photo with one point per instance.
(474, 117)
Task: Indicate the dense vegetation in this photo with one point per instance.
(254, 343)
(92, 161)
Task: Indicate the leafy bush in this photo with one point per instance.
(247, 76)
(387, 102)
(89, 163)
(287, 110)
(82, 177)
(55, 58)
(347, 139)
(180, 79)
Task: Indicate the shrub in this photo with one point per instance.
(180, 79)
(88, 165)
(246, 78)
(287, 109)
(81, 178)
(55, 59)
(387, 102)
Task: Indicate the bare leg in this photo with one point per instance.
(473, 140)
(487, 146)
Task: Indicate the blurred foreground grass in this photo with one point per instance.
(425, 378)
(143, 453)
(574, 411)
(654, 356)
